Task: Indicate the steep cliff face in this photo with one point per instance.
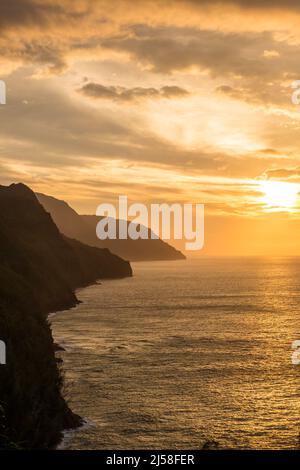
(83, 228)
(33, 412)
(39, 270)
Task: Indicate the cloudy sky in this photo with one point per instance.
(164, 101)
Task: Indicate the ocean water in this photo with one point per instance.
(184, 353)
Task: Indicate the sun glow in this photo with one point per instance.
(279, 196)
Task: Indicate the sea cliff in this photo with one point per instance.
(39, 272)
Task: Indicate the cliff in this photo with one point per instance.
(83, 228)
(39, 270)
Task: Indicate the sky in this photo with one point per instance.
(163, 101)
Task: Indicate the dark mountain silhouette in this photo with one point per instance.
(83, 228)
(39, 270)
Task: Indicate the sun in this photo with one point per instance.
(279, 196)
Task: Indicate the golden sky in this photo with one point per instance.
(164, 101)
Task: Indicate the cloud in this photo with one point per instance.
(41, 13)
(96, 90)
(258, 66)
(50, 32)
(168, 49)
(54, 131)
(25, 12)
(269, 151)
(257, 91)
(254, 4)
(283, 172)
(46, 54)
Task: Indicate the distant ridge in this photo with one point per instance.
(83, 228)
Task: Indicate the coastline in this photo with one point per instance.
(59, 349)
(69, 433)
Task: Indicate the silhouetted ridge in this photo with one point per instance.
(39, 271)
(83, 228)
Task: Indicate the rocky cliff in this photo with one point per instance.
(39, 271)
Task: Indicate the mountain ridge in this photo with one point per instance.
(83, 228)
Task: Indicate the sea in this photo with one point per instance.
(186, 354)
